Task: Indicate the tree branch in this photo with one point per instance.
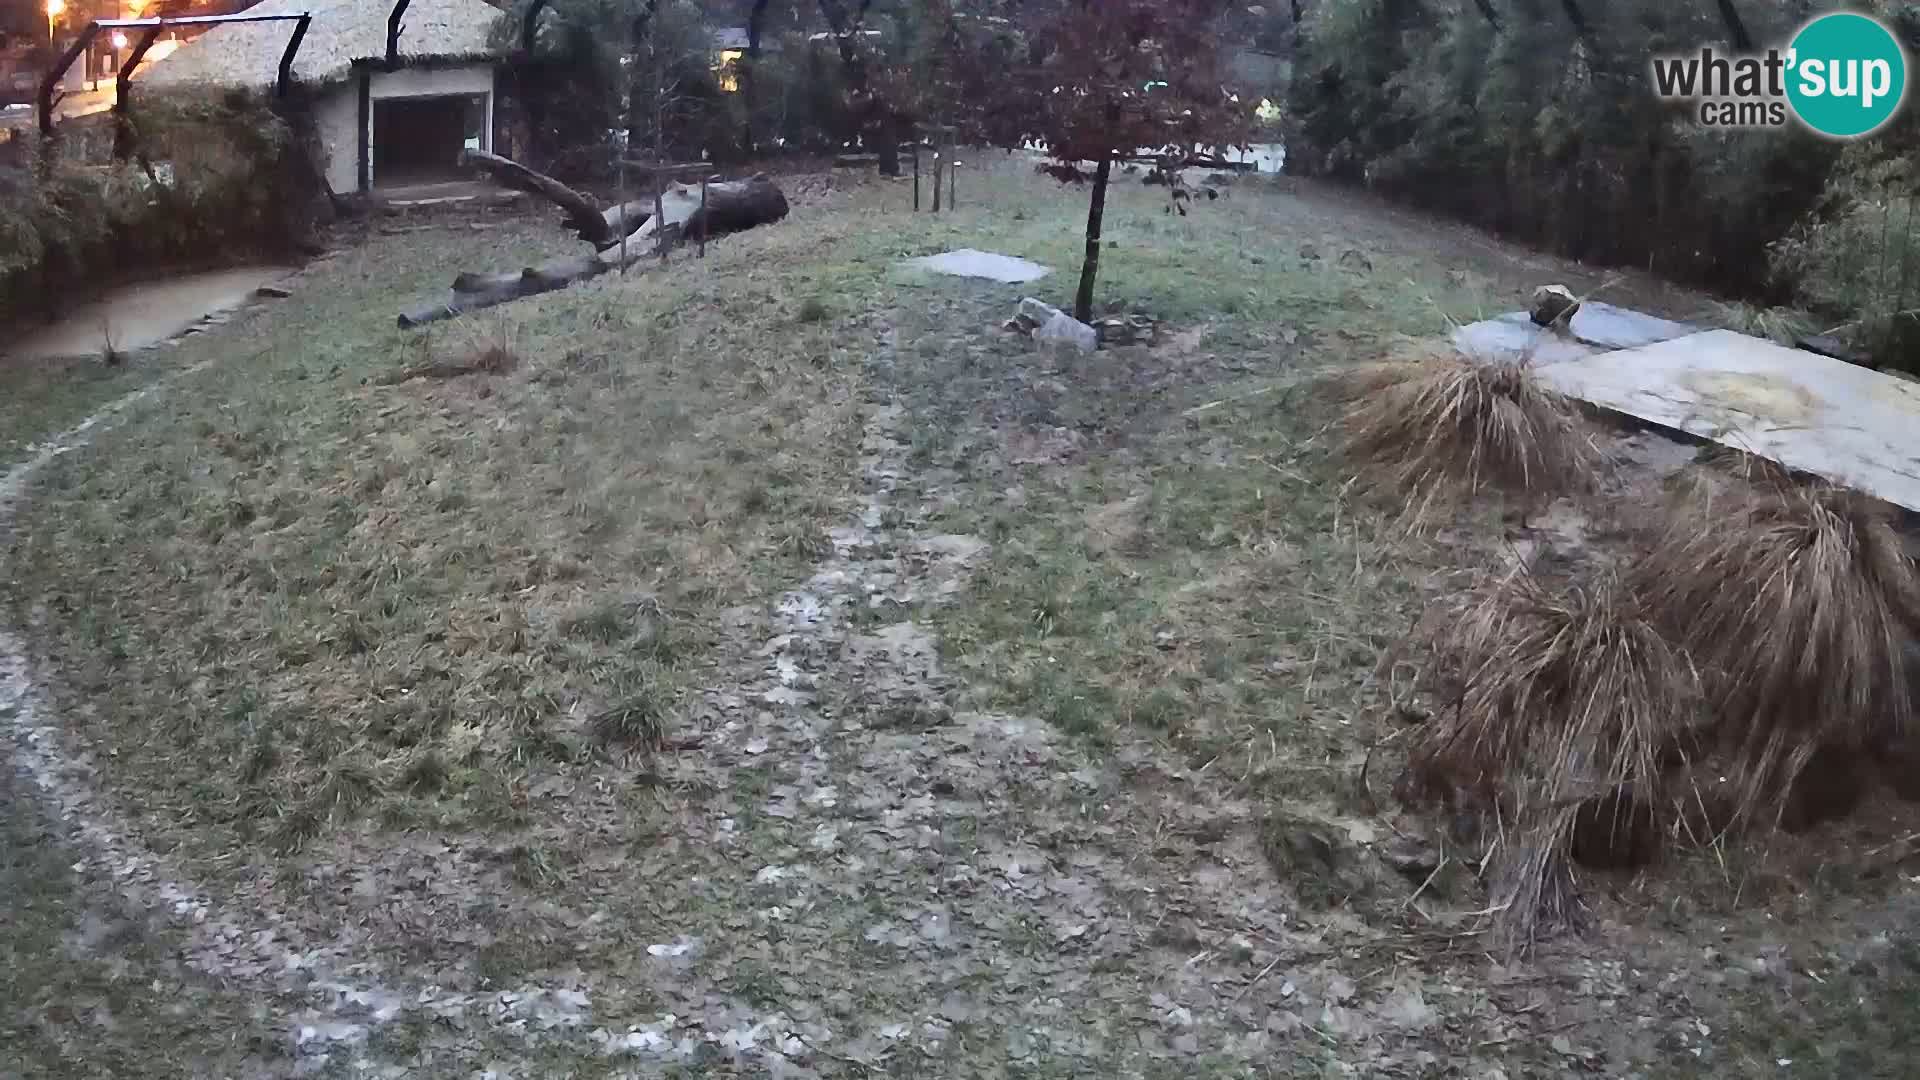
(530, 25)
(1736, 27)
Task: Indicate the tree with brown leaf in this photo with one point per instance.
(1112, 79)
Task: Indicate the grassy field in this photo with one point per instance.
(779, 647)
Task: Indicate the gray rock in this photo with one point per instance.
(1067, 330)
(1133, 329)
(273, 292)
(1037, 312)
(1553, 305)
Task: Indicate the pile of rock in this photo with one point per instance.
(1132, 329)
(1045, 323)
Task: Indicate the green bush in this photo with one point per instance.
(1855, 261)
(1549, 132)
(210, 179)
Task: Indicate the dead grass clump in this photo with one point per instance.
(479, 347)
(1800, 603)
(1735, 462)
(1782, 326)
(1432, 423)
(1547, 705)
(490, 346)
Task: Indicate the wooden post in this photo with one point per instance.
(122, 126)
(937, 170)
(916, 176)
(953, 185)
(659, 214)
(620, 192)
(703, 216)
(363, 90)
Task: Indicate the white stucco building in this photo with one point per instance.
(380, 125)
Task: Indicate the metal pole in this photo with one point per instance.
(916, 176)
(953, 185)
(937, 170)
(703, 216)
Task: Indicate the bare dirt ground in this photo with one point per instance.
(783, 671)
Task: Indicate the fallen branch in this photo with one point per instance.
(727, 207)
(601, 228)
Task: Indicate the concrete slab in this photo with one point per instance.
(967, 262)
(1610, 327)
(1513, 336)
(146, 314)
(1596, 327)
(1811, 413)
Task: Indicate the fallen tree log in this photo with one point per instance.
(730, 206)
(601, 228)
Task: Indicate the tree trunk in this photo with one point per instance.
(636, 38)
(748, 94)
(1487, 13)
(1575, 16)
(1736, 27)
(889, 148)
(530, 26)
(877, 123)
(1089, 269)
(731, 206)
(588, 221)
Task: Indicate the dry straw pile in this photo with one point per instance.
(1766, 627)
(1433, 425)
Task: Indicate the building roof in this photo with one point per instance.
(343, 31)
(730, 37)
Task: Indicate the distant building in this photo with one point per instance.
(378, 128)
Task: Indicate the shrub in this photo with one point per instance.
(1552, 707)
(1855, 260)
(1432, 423)
(1799, 602)
(212, 178)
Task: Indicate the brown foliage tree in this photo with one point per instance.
(1107, 79)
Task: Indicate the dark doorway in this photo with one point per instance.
(418, 140)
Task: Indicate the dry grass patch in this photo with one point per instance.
(1801, 603)
(1430, 423)
(315, 596)
(1747, 671)
(1558, 712)
(481, 345)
